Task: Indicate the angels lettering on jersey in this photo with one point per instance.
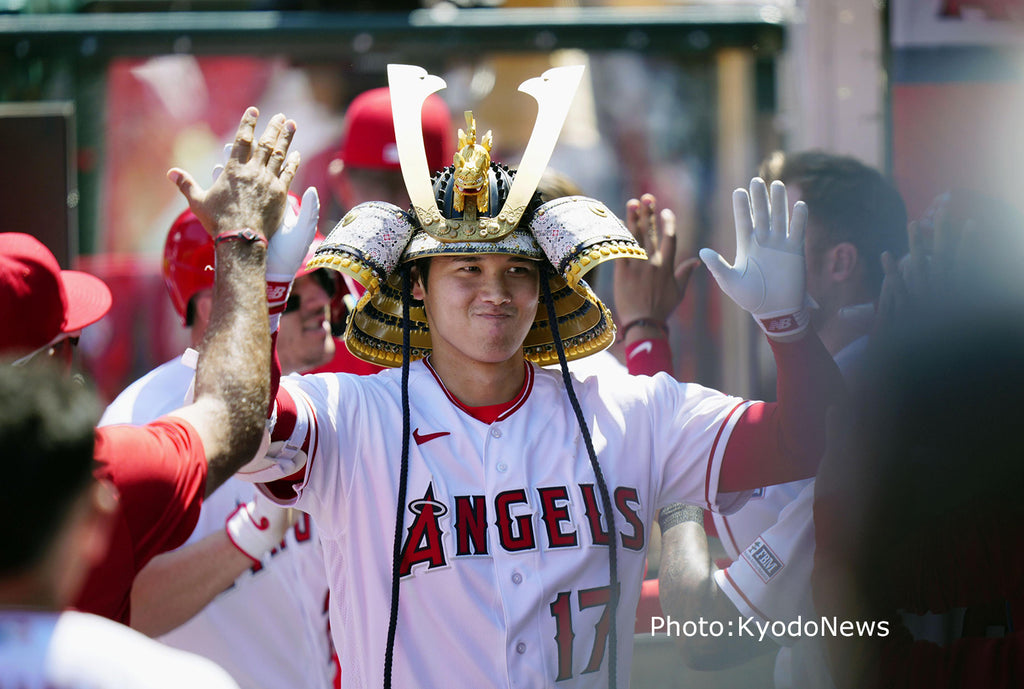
(512, 513)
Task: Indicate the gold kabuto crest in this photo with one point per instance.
(472, 163)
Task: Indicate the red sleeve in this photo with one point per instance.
(784, 441)
(275, 372)
(159, 471)
(647, 357)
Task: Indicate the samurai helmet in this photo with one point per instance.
(477, 206)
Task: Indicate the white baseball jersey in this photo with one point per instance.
(270, 629)
(76, 650)
(505, 563)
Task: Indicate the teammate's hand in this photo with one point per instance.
(251, 190)
(288, 247)
(651, 289)
(768, 278)
(258, 527)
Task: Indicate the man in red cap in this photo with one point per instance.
(47, 307)
(162, 471)
(366, 166)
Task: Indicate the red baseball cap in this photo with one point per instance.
(39, 302)
(368, 140)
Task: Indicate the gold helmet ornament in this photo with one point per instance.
(477, 206)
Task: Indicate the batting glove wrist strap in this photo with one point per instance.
(257, 527)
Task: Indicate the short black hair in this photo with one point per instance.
(849, 202)
(47, 422)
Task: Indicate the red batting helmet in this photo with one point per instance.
(188, 258)
(188, 261)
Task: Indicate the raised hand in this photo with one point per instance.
(651, 290)
(251, 190)
(768, 278)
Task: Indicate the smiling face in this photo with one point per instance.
(305, 341)
(480, 308)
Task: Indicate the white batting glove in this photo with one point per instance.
(258, 527)
(287, 249)
(768, 279)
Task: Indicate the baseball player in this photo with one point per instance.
(80, 530)
(854, 215)
(522, 496)
(246, 558)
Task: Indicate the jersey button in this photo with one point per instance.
(502, 467)
(517, 578)
(520, 648)
(496, 432)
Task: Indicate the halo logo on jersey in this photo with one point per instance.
(763, 560)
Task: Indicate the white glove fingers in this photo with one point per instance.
(779, 210)
(242, 146)
(744, 222)
(718, 266)
(797, 227)
(219, 167)
(761, 211)
(309, 215)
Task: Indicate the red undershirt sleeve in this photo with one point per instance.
(648, 357)
(783, 441)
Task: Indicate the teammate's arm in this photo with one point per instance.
(688, 591)
(176, 586)
(781, 442)
(232, 379)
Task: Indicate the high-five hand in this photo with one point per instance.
(767, 279)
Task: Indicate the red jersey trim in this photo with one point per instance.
(506, 409)
(732, 582)
(714, 449)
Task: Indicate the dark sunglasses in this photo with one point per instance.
(327, 282)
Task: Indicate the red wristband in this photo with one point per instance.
(244, 234)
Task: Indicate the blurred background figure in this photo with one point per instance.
(366, 166)
(917, 509)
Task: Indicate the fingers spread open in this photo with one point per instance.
(779, 209)
(290, 167)
(798, 224)
(242, 147)
(268, 140)
(280, 152)
(187, 185)
(744, 221)
(762, 214)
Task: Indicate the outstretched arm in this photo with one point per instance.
(780, 442)
(233, 377)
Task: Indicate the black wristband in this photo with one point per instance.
(648, 322)
(676, 514)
